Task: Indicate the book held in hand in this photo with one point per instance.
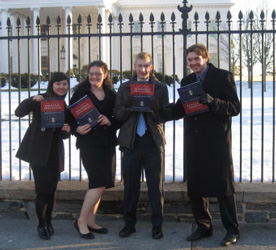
(142, 93)
(52, 113)
(85, 111)
(189, 97)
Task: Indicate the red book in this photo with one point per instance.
(85, 112)
(142, 93)
(52, 113)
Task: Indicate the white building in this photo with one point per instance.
(36, 52)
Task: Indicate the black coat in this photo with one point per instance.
(99, 135)
(208, 139)
(35, 147)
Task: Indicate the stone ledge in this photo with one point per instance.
(256, 202)
(174, 191)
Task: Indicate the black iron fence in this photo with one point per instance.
(244, 45)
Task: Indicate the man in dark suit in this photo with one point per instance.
(141, 139)
(208, 145)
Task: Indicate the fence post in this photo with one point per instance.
(185, 16)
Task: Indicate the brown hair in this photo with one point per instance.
(199, 49)
(85, 85)
(143, 56)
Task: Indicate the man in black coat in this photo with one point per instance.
(208, 145)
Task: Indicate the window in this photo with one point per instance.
(158, 64)
(44, 65)
(213, 58)
(136, 29)
(43, 31)
(159, 28)
(75, 30)
(190, 27)
(213, 27)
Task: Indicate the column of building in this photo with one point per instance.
(68, 44)
(4, 43)
(36, 56)
(105, 42)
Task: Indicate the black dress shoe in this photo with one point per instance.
(157, 233)
(102, 230)
(43, 233)
(127, 231)
(50, 228)
(230, 239)
(200, 233)
(87, 236)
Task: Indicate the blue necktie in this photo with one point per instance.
(141, 128)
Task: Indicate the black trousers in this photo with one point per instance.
(228, 212)
(144, 155)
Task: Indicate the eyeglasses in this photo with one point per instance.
(97, 74)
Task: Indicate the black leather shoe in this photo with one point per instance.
(200, 233)
(50, 228)
(102, 230)
(157, 233)
(87, 236)
(43, 233)
(127, 231)
(230, 239)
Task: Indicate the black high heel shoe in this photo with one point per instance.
(84, 236)
(43, 233)
(102, 230)
(50, 228)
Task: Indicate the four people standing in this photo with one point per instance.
(207, 139)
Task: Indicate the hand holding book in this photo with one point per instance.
(103, 120)
(204, 98)
(84, 129)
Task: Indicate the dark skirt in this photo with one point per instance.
(99, 163)
(46, 178)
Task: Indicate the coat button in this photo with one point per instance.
(196, 131)
(195, 118)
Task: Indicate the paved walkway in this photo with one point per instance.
(18, 232)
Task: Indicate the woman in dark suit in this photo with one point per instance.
(96, 144)
(44, 150)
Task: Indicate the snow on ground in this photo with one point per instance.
(249, 164)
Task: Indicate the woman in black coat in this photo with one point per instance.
(96, 144)
(43, 149)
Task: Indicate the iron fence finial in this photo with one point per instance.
(184, 10)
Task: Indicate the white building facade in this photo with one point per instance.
(43, 55)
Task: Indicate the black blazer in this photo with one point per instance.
(99, 135)
(35, 147)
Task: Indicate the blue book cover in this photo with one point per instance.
(85, 112)
(52, 113)
(188, 95)
(142, 93)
